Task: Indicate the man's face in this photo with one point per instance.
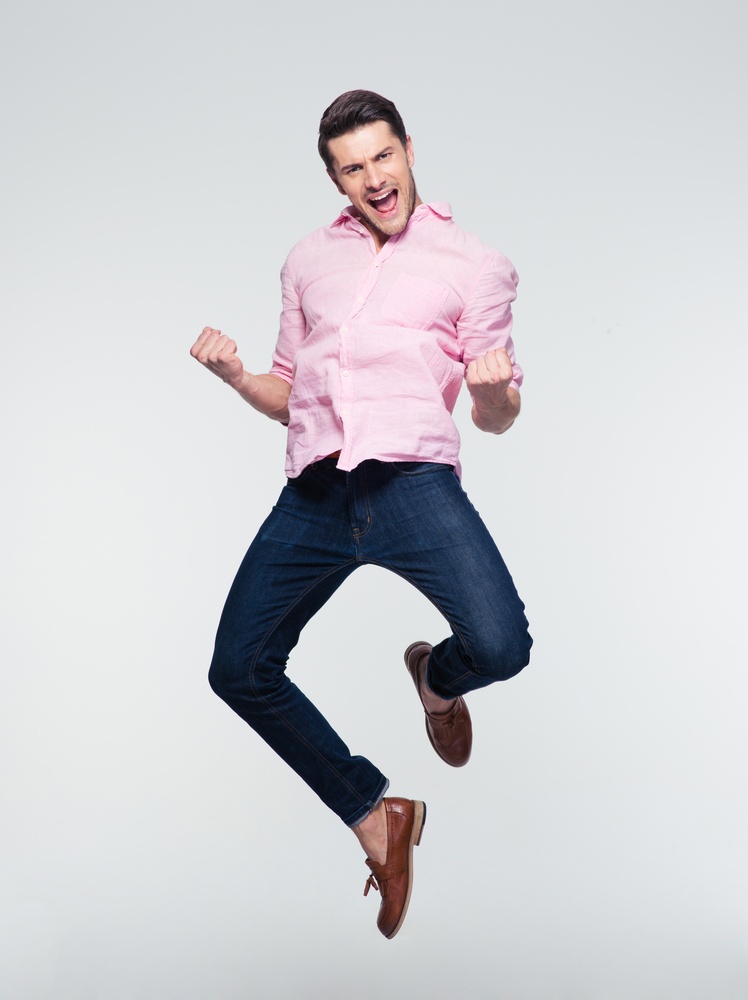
(373, 170)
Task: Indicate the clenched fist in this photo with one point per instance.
(218, 353)
(495, 403)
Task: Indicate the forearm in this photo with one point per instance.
(496, 417)
(266, 393)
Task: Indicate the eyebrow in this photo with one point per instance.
(387, 149)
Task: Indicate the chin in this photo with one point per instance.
(391, 227)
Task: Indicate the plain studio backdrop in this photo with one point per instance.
(159, 161)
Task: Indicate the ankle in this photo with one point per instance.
(434, 703)
(371, 833)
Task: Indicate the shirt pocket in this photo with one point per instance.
(414, 302)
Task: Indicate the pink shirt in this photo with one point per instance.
(375, 345)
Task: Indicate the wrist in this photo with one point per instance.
(497, 399)
(497, 418)
(238, 382)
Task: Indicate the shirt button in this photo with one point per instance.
(344, 373)
(344, 329)
(359, 299)
(376, 263)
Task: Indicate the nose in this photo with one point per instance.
(373, 176)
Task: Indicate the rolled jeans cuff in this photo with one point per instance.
(369, 809)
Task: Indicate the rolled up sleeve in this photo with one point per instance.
(293, 328)
(486, 321)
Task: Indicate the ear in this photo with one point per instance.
(335, 181)
(409, 151)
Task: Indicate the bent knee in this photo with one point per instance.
(229, 675)
(221, 679)
(506, 657)
(238, 676)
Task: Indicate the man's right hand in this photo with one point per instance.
(266, 393)
(218, 353)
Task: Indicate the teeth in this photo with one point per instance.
(381, 196)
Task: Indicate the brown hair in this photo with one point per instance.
(353, 110)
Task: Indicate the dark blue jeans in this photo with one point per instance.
(410, 517)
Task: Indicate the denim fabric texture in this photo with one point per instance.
(412, 518)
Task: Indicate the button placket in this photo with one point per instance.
(366, 285)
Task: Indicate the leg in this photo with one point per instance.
(300, 557)
(425, 529)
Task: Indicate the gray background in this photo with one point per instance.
(159, 161)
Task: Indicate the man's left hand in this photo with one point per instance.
(495, 404)
(489, 377)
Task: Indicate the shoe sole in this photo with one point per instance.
(419, 821)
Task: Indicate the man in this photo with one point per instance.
(385, 313)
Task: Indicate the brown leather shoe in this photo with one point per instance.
(394, 879)
(451, 732)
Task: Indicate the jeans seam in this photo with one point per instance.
(358, 534)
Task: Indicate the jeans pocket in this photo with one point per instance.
(418, 468)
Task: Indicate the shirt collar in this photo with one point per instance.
(441, 208)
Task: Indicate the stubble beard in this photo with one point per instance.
(397, 226)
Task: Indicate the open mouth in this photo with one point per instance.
(385, 204)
